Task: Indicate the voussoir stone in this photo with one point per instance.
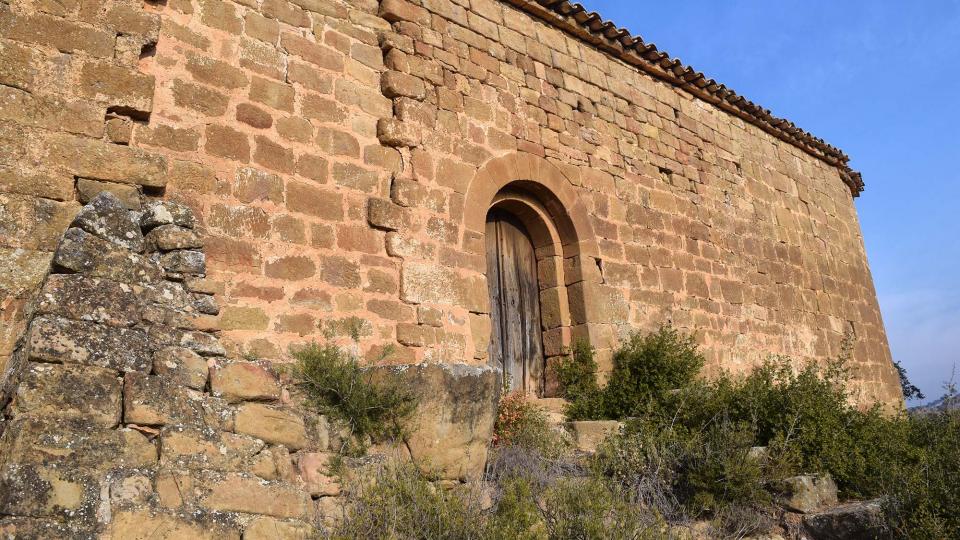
(239, 381)
(106, 216)
(82, 252)
(55, 339)
(167, 213)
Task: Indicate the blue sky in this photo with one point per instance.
(880, 79)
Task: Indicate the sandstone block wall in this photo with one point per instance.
(339, 154)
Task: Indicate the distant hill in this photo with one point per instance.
(950, 403)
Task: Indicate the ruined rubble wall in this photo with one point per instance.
(330, 150)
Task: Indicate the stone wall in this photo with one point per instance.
(339, 154)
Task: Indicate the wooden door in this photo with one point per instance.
(516, 345)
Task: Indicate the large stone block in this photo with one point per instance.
(54, 339)
(64, 390)
(272, 424)
(90, 158)
(146, 525)
(75, 444)
(196, 448)
(252, 495)
(106, 216)
(806, 494)
(37, 491)
(152, 401)
(239, 381)
(267, 528)
(82, 252)
(83, 298)
(453, 425)
(182, 366)
(426, 283)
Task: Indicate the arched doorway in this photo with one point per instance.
(516, 344)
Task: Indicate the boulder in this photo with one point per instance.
(453, 425)
(589, 434)
(808, 493)
(853, 521)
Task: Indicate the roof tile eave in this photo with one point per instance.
(590, 27)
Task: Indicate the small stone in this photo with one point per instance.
(206, 304)
(314, 470)
(167, 213)
(169, 237)
(105, 216)
(181, 365)
(184, 262)
(239, 381)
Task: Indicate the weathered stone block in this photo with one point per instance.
(170, 237)
(146, 525)
(184, 262)
(267, 528)
(167, 213)
(248, 494)
(63, 390)
(589, 434)
(82, 252)
(384, 214)
(392, 132)
(75, 296)
(181, 366)
(457, 407)
(239, 381)
(397, 84)
(424, 283)
(38, 491)
(853, 521)
(314, 470)
(105, 161)
(75, 444)
(54, 339)
(106, 216)
(153, 400)
(88, 189)
(205, 449)
(272, 424)
(807, 494)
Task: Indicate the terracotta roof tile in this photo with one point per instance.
(605, 35)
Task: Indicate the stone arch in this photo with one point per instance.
(538, 194)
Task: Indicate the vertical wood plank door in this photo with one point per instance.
(516, 345)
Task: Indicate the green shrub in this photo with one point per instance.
(646, 369)
(336, 385)
(521, 423)
(588, 508)
(399, 503)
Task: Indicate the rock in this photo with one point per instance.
(128, 195)
(453, 425)
(78, 297)
(589, 434)
(182, 366)
(201, 449)
(266, 528)
(167, 213)
(808, 493)
(206, 304)
(854, 521)
(39, 491)
(82, 252)
(169, 237)
(184, 262)
(249, 494)
(64, 390)
(153, 401)
(146, 525)
(106, 217)
(271, 424)
(75, 444)
(314, 470)
(54, 339)
(26, 527)
(240, 381)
